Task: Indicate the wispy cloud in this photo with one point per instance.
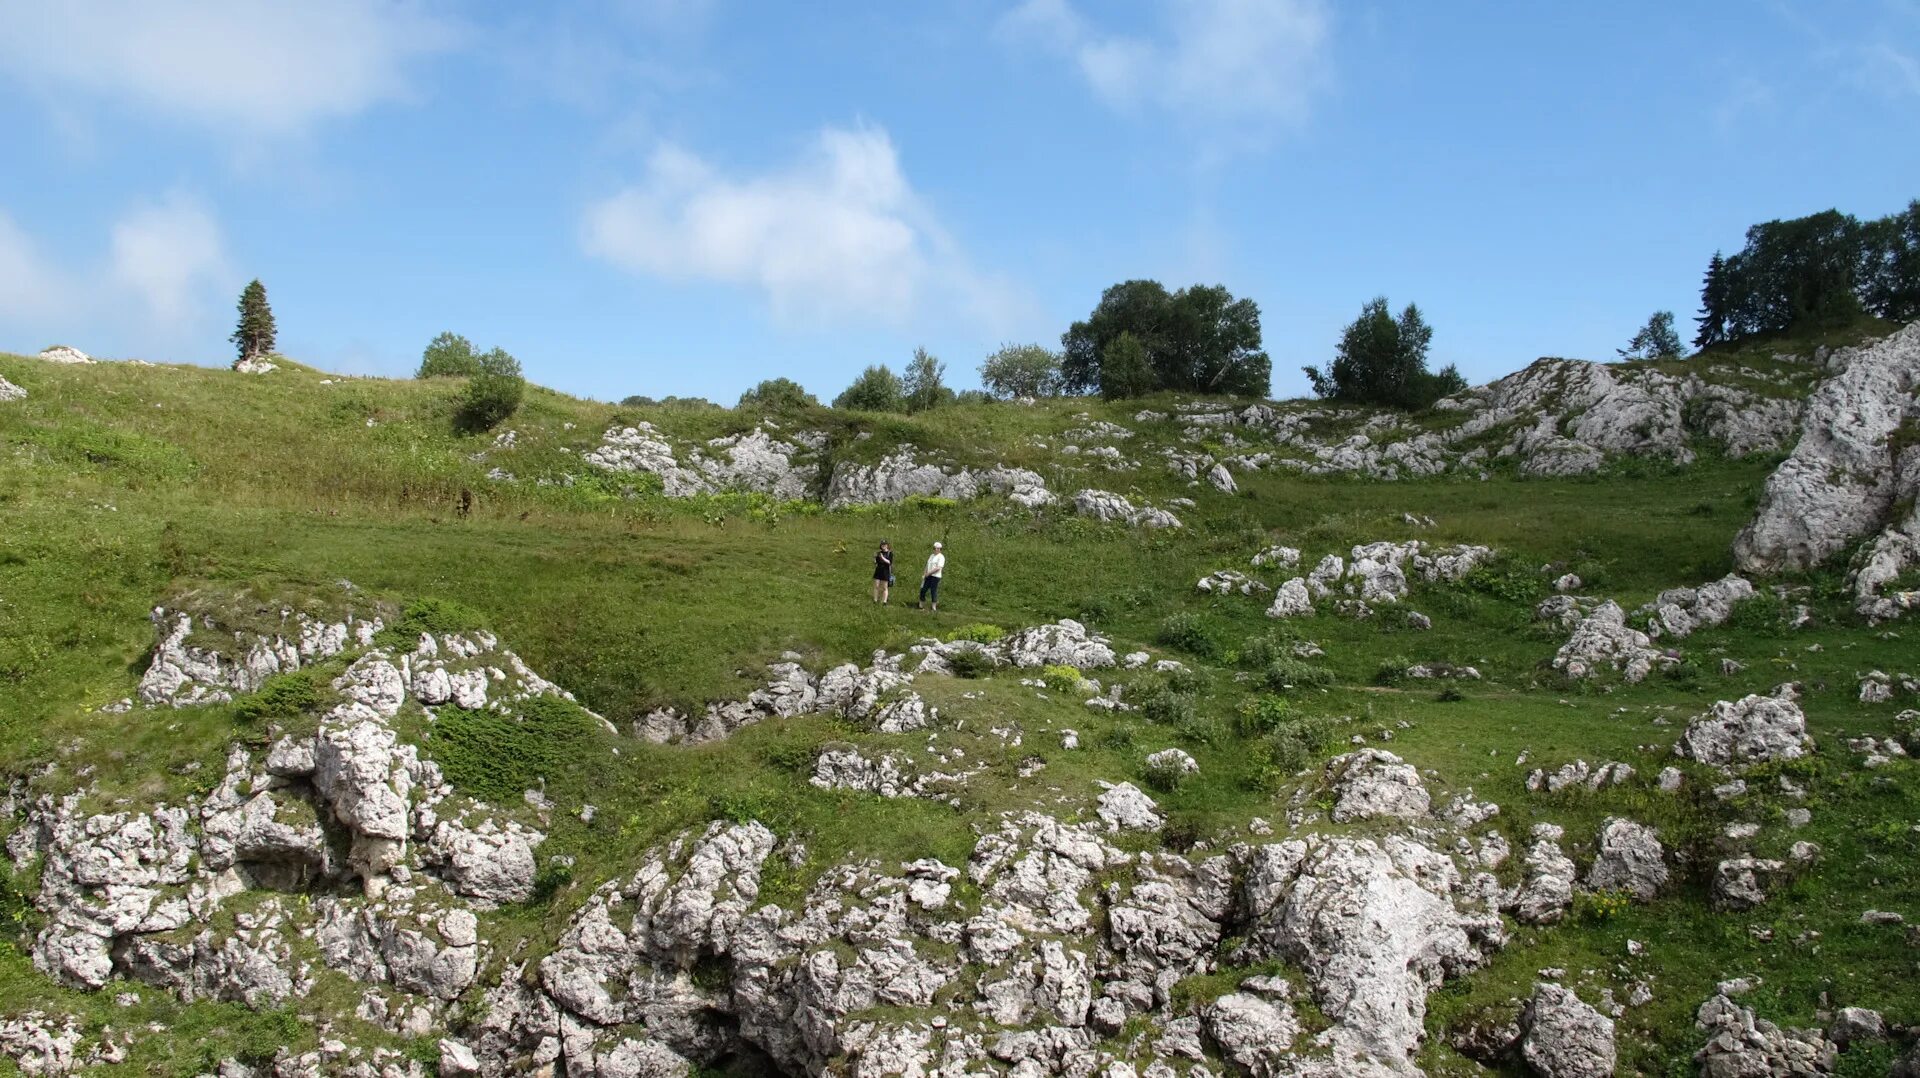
(249, 66)
(1260, 61)
(172, 258)
(838, 234)
(163, 274)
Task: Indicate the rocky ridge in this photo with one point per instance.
(1853, 475)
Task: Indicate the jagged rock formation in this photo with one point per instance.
(196, 660)
(755, 461)
(1752, 730)
(1603, 640)
(1106, 505)
(1566, 1038)
(1677, 612)
(255, 365)
(1376, 573)
(1629, 859)
(1569, 415)
(10, 392)
(61, 353)
(901, 475)
(1740, 1045)
(1857, 460)
(880, 694)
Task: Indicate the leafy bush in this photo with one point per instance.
(1062, 679)
(496, 757)
(1167, 707)
(1260, 715)
(493, 392)
(778, 395)
(1287, 675)
(1183, 679)
(1766, 614)
(1189, 633)
(1294, 745)
(1021, 370)
(1164, 775)
(970, 663)
(1450, 695)
(1264, 649)
(1392, 670)
(876, 390)
(552, 878)
(448, 356)
(282, 696)
(1505, 578)
(979, 633)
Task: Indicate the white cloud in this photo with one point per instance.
(30, 285)
(1223, 60)
(263, 66)
(171, 257)
(162, 276)
(837, 234)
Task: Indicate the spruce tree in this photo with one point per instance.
(1713, 304)
(255, 334)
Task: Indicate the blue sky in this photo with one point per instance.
(686, 196)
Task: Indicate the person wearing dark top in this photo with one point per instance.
(882, 572)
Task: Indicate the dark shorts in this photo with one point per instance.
(930, 588)
(882, 574)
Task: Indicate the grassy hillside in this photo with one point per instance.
(124, 486)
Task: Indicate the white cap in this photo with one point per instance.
(936, 546)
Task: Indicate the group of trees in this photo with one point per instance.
(1141, 338)
(921, 388)
(1813, 272)
(1382, 359)
(494, 387)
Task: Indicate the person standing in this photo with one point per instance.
(930, 583)
(882, 572)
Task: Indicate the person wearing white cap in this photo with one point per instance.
(930, 583)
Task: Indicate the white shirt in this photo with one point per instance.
(936, 563)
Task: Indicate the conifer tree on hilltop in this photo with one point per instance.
(1713, 304)
(255, 334)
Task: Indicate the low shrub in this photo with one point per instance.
(1062, 679)
(971, 663)
(282, 696)
(1165, 707)
(978, 633)
(493, 392)
(1265, 648)
(1289, 675)
(497, 757)
(1261, 715)
(1189, 633)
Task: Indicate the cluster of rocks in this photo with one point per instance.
(1854, 475)
(199, 660)
(1600, 640)
(901, 475)
(10, 392)
(1677, 612)
(61, 353)
(1568, 416)
(1557, 417)
(884, 970)
(1377, 573)
(1108, 506)
(879, 695)
(757, 460)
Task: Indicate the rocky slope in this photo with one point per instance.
(1222, 758)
